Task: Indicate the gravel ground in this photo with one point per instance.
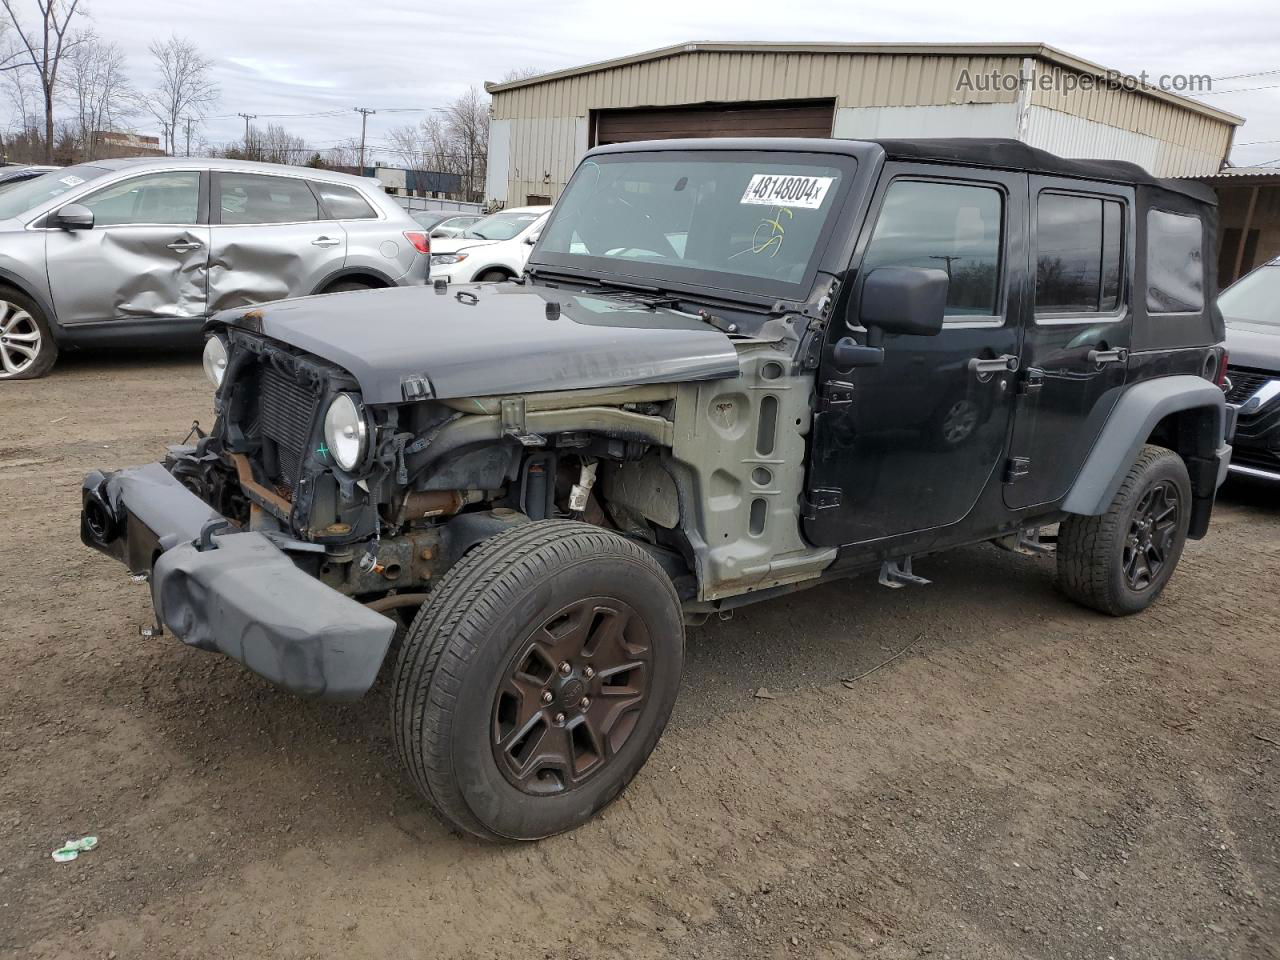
(1028, 780)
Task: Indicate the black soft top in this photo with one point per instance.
(1016, 155)
(997, 153)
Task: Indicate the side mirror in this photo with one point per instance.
(900, 300)
(904, 300)
(74, 216)
(532, 238)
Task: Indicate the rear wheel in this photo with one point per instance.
(27, 347)
(537, 680)
(346, 286)
(1119, 562)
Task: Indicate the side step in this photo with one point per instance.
(897, 574)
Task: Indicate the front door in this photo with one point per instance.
(911, 444)
(146, 257)
(270, 240)
(1075, 349)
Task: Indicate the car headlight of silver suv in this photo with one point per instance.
(215, 360)
(345, 431)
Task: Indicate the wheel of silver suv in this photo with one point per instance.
(27, 348)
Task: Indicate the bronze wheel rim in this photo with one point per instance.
(571, 695)
(1152, 532)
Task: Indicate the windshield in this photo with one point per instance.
(750, 221)
(23, 196)
(501, 226)
(1254, 298)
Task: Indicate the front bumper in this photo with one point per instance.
(235, 592)
(1257, 442)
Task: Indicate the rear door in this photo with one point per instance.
(1075, 350)
(269, 239)
(911, 444)
(145, 259)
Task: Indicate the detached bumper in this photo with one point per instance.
(233, 592)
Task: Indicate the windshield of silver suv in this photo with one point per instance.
(1254, 298)
(31, 193)
(750, 221)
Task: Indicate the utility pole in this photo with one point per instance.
(168, 139)
(188, 136)
(247, 118)
(364, 122)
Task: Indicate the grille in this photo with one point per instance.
(1245, 383)
(286, 414)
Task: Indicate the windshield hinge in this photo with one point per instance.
(416, 388)
(1016, 468)
(513, 423)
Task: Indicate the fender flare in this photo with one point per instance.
(347, 272)
(1136, 414)
(10, 279)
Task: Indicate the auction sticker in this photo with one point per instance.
(783, 190)
(71, 180)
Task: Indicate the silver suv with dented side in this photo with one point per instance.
(142, 251)
(730, 370)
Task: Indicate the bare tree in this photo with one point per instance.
(345, 153)
(98, 89)
(185, 88)
(468, 122)
(520, 73)
(42, 48)
(424, 145)
(274, 144)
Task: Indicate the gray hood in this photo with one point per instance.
(496, 338)
(1255, 345)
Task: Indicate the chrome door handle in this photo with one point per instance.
(1005, 363)
(184, 246)
(325, 242)
(1118, 355)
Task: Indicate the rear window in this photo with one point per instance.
(245, 198)
(1079, 254)
(344, 203)
(1175, 263)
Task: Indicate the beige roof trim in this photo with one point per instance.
(1041, 51)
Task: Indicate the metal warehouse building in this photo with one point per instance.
(542, 125)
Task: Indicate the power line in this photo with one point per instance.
(1242, 76)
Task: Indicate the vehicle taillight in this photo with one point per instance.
(421, 242)
(1222, 369)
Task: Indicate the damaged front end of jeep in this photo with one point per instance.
(315, 516)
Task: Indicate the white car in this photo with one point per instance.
(496, 248)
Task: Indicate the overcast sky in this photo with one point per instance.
(289, 57)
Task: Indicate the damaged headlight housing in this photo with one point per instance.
(215, 360)
(345, 431)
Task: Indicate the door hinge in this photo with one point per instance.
(1015, 468)
(1032, 382)
(836, 393)
(817, 500)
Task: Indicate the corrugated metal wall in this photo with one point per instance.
(547, 120)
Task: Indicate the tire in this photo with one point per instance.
(469, 717)
(1101, 559)
(493, 276)
(346, 286)
(27, 347)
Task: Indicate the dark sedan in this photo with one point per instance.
(1251, 307)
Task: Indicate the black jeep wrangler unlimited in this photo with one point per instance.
(732, 369)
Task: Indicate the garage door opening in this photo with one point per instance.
(777, 118)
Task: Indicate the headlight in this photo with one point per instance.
(215, 360)
(345, 432)
(444, 259)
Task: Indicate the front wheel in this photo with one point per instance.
(27, 347)
(1119, 562)
(493, 276)
(537, 680)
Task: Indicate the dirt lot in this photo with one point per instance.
(1028, 780)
